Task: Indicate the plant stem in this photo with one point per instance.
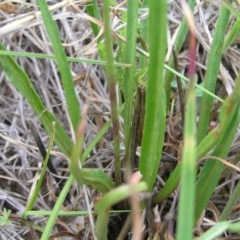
(112, 90)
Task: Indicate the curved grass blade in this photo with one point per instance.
(33, 199)
(104, 205)
(95, 177)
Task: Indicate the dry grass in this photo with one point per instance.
(20, 161)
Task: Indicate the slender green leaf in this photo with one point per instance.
(71, 98)
(47, 56)
(130, 54)
(33, 199)
(154, 126)
(231, 36)
(233, 198)
(219, 229)
(52, 219)
(93, 11)
(22, 83)
(213, 64)
(210, 174)
(212, 139)
(144, 35)
(188, 171)
(112, 90)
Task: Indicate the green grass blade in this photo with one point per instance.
(93, 11)
(230, 8)
(210, 174)
(219, 229)
(130, 55)
(235, 29)
(231, 36)
(71, 98)
(154, 126)
(188, 171)
(233, 198)
(110, 72)
(21, 82)
(170, 186)
(52, 219)
(196, 85)
(95, 177)
(144, 34)
(107, 201)
(213, 65)
(47, 56)
(215, 231)
(43, 171)
(211, 140)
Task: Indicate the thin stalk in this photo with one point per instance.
(48, 56)
(181, 37)
(112, 90)
(231, 36)
(129, 82)
(144, 36)
(231, 202)
(46, 163)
